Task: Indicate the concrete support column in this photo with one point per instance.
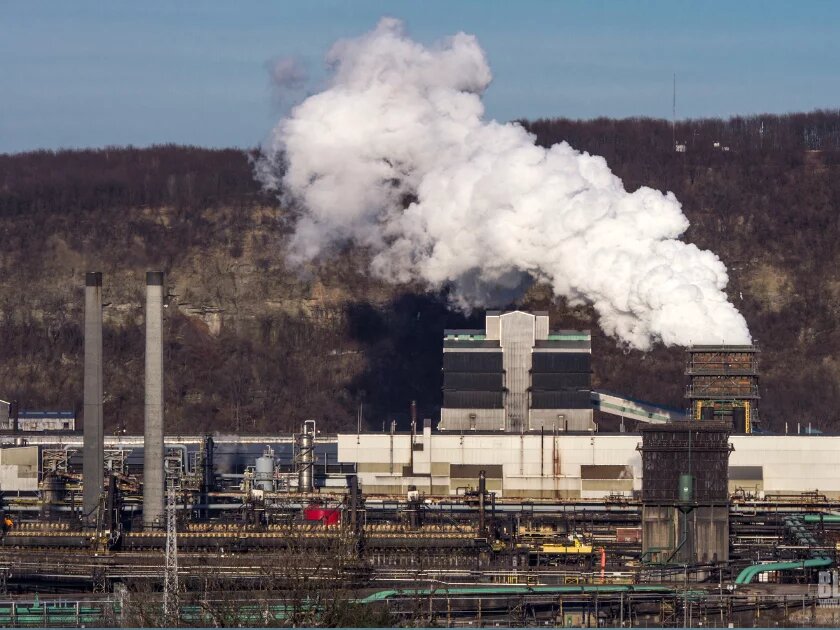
(153, 481)
(93, 447)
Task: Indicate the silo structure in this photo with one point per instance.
(264, 471)
(153, 454)
(93, 446)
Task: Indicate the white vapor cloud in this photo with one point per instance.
(396, 155)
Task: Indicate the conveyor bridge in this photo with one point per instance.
(631, 409)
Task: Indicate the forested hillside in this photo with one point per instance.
(253, 345)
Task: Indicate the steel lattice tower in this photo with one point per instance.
(170, 577)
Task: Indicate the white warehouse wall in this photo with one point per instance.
(570, 466)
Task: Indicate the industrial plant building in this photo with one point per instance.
(12, 419)
(514, 482)
(516, 375)
(574, 466)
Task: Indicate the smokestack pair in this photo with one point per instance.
(93, 443)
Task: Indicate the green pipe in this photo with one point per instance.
(65, 615)
(821, 518)
(519, 590)
(746, 576)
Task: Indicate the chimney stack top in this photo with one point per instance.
(93, 279)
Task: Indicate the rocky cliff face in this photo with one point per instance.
(253, 345)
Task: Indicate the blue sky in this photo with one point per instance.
(80, 74)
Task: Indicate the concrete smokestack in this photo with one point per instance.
(93, 449)
(153, 440)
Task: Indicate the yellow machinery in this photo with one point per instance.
(573, 548)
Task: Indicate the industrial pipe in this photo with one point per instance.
(518, 590)
(746, 576)
(821, 518)
(482, 492)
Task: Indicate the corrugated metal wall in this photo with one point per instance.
(561, 380)
(460, 399)
(473, 385)
(669, 451)
(561, 419)
(544, 378)
(492, 326)
(707, 531)
(472, 361)
(472, 419)
(476, 381)
(517, 341)
(561, 383)
(541, 327)
(561, 400)
(562, 362)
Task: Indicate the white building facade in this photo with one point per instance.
(573, 466)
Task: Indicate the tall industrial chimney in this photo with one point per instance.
(153, 440)
(93, 449)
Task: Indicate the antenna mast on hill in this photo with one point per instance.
(674, 115)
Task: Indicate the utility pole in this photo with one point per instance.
(170, 576)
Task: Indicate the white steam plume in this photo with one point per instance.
(395, 155)
(287, 76)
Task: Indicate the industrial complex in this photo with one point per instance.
(513, 508)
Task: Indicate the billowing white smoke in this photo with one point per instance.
(395, 155)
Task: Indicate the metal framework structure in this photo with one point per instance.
(680, 448)
(115, 460)
(170, 578)
(56, 460)
(723, 385)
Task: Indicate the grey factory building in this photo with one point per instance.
(516, 375)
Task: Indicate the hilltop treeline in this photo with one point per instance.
(254, 345)
(107, 179)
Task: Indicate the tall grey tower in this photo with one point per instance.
(93, 447)
(153, 437)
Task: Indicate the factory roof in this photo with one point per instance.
(471, 342)
(46, 414)
(723, 348)
(584, 345)
(465, 334)
(479, 334)
(497, 313)
(682, 426)
(568, 333)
